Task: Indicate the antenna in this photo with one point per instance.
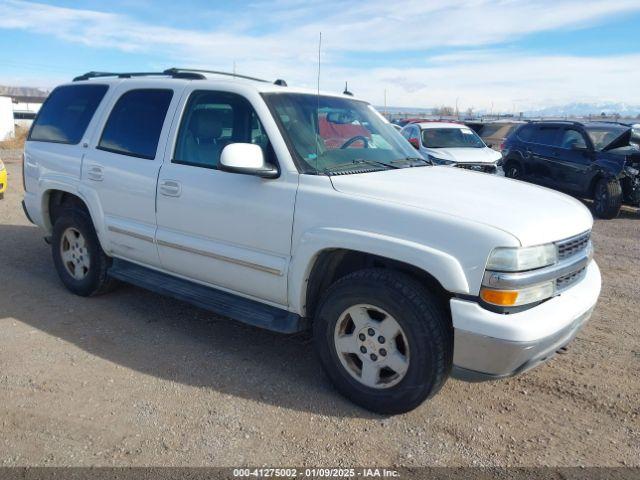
(318, 101)
(346, 90)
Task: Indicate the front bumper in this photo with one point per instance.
(490, 345)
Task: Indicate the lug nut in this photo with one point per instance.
(371, 332)
(362, 337)
(381, 339)
(374, 357)
(383, 352)
(363, 349)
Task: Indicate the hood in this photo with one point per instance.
(466, 155)
(532, 214)
(620, 141)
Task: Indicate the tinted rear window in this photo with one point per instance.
(525, 133)
(65, 115)
(135, 123)
(547, 135)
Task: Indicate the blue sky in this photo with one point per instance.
(509, 54)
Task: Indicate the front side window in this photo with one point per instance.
(66, 114)
(451, 138)
(135, 123)
(328, 133)
(573, 139)
(213, 120)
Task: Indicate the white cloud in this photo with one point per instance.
(481, 72)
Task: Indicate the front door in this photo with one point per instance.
(572, 165)
(228, 230)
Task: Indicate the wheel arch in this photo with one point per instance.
(56, 198)
(319, 262)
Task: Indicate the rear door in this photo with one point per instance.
(121, 166)
(542, 150)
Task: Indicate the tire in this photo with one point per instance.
(512, 169)
(424, 342)
(2, 196)
(74, 240)
(607, 198)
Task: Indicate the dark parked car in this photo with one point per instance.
(595, 160)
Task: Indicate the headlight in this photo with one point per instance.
(1, 166)
(514, 259)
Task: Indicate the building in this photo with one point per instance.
(25, 109)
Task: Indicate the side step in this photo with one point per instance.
(223, 303)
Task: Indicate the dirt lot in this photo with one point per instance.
(133, 378)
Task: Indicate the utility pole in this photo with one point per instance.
(457, 111)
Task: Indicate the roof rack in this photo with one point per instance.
(176, 74)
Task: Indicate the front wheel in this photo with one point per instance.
(383, 340)
(607, 198)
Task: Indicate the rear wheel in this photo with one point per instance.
(79, 260)
(513, 170)
(383, 340)
(607, 198)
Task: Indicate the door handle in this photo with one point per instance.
(95, 173)
(170, 188)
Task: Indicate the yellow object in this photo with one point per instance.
(3, 179)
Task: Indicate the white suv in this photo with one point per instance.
(452, 144)
(290, 210)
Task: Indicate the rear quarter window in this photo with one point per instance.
(66, 113)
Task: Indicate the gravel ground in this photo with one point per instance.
(133, 378)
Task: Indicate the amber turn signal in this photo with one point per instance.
(504, 298)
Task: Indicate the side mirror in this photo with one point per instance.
(415, 142)
(246, 159)
(579, 148)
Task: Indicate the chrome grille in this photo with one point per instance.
(564, 282)
(571, 246)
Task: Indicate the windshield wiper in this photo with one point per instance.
(410, 159)
(361, 162)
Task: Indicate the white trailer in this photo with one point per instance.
(7, 127)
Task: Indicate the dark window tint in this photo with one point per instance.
(65, 115)
(213, 120)
(135, 123)
(525, 133)
(547, 135)
(572, 139)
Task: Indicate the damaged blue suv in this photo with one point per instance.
(595, 160)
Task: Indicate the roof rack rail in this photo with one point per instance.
(185, 74)
(175, 70)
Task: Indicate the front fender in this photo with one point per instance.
(442, 266)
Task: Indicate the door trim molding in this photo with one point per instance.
(121, 231)
(244, 263)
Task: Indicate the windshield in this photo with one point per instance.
(451, 138)
(329, 133)
(603, 135)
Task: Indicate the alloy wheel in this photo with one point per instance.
(74, 253)
(371, 346)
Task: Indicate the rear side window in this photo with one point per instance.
(547, 135)
(525, 133)
(135, 123)
(65, 115)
